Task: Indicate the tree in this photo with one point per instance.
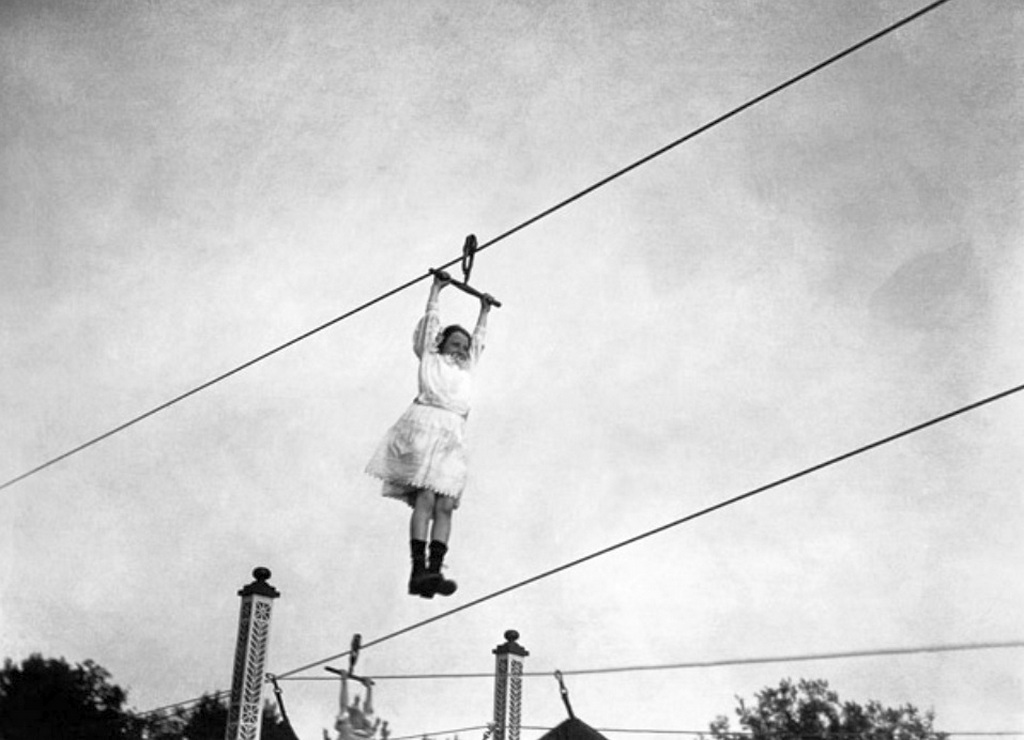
(810, 710)
(207, 720)
(49, 699)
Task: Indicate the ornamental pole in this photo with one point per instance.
(245, 713)
(508, 687)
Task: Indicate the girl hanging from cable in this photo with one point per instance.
(355, 722)
(422, 458)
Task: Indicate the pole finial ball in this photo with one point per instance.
(261, 574)
(511, 635)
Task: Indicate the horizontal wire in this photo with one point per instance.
(880, 652)
(439, 732)
(703, 733)
(747, 733)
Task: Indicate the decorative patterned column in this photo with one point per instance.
(508, 687)
(245, 712)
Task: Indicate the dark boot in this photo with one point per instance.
(421, 583)
(441, 585)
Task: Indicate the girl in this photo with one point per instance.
(355, 722)
(422, 458)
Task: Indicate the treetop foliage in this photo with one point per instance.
(50, 699)
(810, 710)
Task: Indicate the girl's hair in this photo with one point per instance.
(448, 331)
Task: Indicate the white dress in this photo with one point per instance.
(426, 448)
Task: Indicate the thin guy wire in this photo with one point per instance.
(187, 702)
(747, 733)
(675, 523)
(439, 732)
(408, 284)
(881, 652)
(706, 733)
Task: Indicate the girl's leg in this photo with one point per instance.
(422, 513)
(420, 581)
(443, 506)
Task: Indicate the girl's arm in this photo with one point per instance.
(343, 701)
(428, 326)
(476, 346)
(368, 704)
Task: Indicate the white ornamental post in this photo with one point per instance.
(508, 687)
(245, 712)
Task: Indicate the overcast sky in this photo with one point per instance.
(187, 185)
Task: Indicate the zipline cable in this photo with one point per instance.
(408, 284)
(690, 517)
(722, 118)
(219, 378)
(881, 652)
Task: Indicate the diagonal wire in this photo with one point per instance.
(212, 381)
(722, 118)
(720, 505)
(586, 191)
(649, 533)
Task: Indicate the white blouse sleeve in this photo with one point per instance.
(426, 330)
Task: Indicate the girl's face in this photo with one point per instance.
(456, 345)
